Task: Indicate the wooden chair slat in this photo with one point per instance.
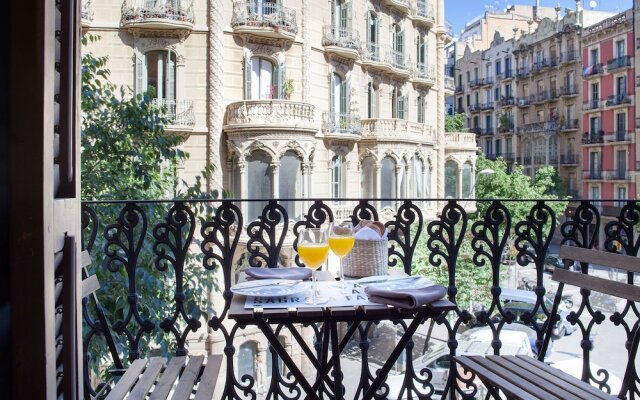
(569, 382)
(85, 259)
(127, 380)
(147, 379)
(165, 384)
(513, 380)
(607, 286)
(621, 261)
(188, 378)
(90, 285)
(209, 378)
(514, 392)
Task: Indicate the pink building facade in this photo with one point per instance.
(608, 120)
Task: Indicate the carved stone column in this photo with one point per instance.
(215, 111)
(275, 170)
(440, 102)
(244, 186)
(306, 50)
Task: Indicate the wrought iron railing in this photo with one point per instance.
(535, 127)
(424, 9)
(264, 14)
(618, 99)
(619, 136)
(428, 72)
(348, 38)
(157, 261)
(179, 112)
(593, 137)
(569, 159)
(173, 10)
(569, 90)
(86, 13)
(449, 84)
(341, 123)
(619, 62)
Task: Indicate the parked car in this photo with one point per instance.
(553, 261)
(521, 301)
(472, 342)
(573, 367)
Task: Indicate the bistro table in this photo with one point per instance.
(265, 318)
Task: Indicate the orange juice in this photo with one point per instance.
(341, 245)
(313, 255)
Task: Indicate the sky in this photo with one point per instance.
(459, 12)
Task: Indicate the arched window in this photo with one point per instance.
(388, 176)
(427, 180)
(338, 176)
(290, 182)
(372, 28)
(399, 104)
(156, 73)
(260, 178)
(418, 181)
(466, 180)
(397, 43)
(247, 359)
(372, 101)
(339, 100)
(451, 179)
(263, 79)
(368, 178)
(421, 51)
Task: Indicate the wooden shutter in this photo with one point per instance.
(344, 97)
(348, 14)
(247, 78)
(140, 73)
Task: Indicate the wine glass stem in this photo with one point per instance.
(342, 284)
(313, 286)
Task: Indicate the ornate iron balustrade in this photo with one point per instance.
(449, 84)
(424, 9)
(569, 159)
(394, 128)
(341, 122)
(619, 136)
(264, 14)
(547, 127)
(178, 244)
(428, 72)
(618, 100)
(179, 112)
(342, 37)
(569, 56)
(593, 138)
(142, 10)
(569, 90)
(86, 13)
(619, 62)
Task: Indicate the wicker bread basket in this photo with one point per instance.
(368, 258)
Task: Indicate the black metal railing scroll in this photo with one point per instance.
(191, 252)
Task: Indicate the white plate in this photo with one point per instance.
(390, 282)
(269, 288)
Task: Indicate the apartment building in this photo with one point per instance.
(523, 97)
(609, 137)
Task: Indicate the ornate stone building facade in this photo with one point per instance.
(295, 98)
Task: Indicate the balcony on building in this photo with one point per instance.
(618, 175)
(425, 75)
(267, 20)
(341, 126)
(554, 61)
(553, 159)
(593, 138)
(401, 6)
(86, 14)
(522, 72)
(475, 108)
(475, 83)
(539, 98)
(569, 91)
(448, 32)
(460, 110)
(491, 156)
(507, 75)
(592, 71)
(386, 59)
(570, 126)
(569, 159)
(488, 106)
(522, 102)
(509, 157)
(569, 57)
(554, 94)
(423, 13)
(619, 137)
(489, 80)
(179, 113)
(459, 89)
(394, 129)
(552, 126)
(150, 17)
(539, 66)
(592, 105)
(270, 115)
(507, 101)
(619, 100)
(344, 42)
(449, 85)
(505, 125)
(619, 63)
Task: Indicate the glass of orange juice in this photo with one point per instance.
(313, 249)
(341, 241)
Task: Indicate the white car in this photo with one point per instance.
(472, 342)
(573, 367)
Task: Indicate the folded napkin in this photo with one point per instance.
(406, 298)
(294, 273)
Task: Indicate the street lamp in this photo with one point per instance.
(486, 171)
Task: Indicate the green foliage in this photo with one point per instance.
(125, 151)
(455, 123)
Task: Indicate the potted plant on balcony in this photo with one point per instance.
(504, 122)
(287, 88)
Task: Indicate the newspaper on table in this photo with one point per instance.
(354, 296)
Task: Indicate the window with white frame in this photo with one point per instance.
(420, 106)
(621, 195)
(338, 176)
(156, 74)
(421, 52)
(594, 56)
(417, 177)
(339, 99)
(620, 48)
(260, 174)
(397, 44)
(368, 178)
(621, 86)
(388, 176)
(290, 182)
(372, 101)
(399, 103)
(263, 79)
(451, 179)
(373, 34)
(341, 16)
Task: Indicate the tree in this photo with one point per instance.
(455, 122)
(126, 154)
